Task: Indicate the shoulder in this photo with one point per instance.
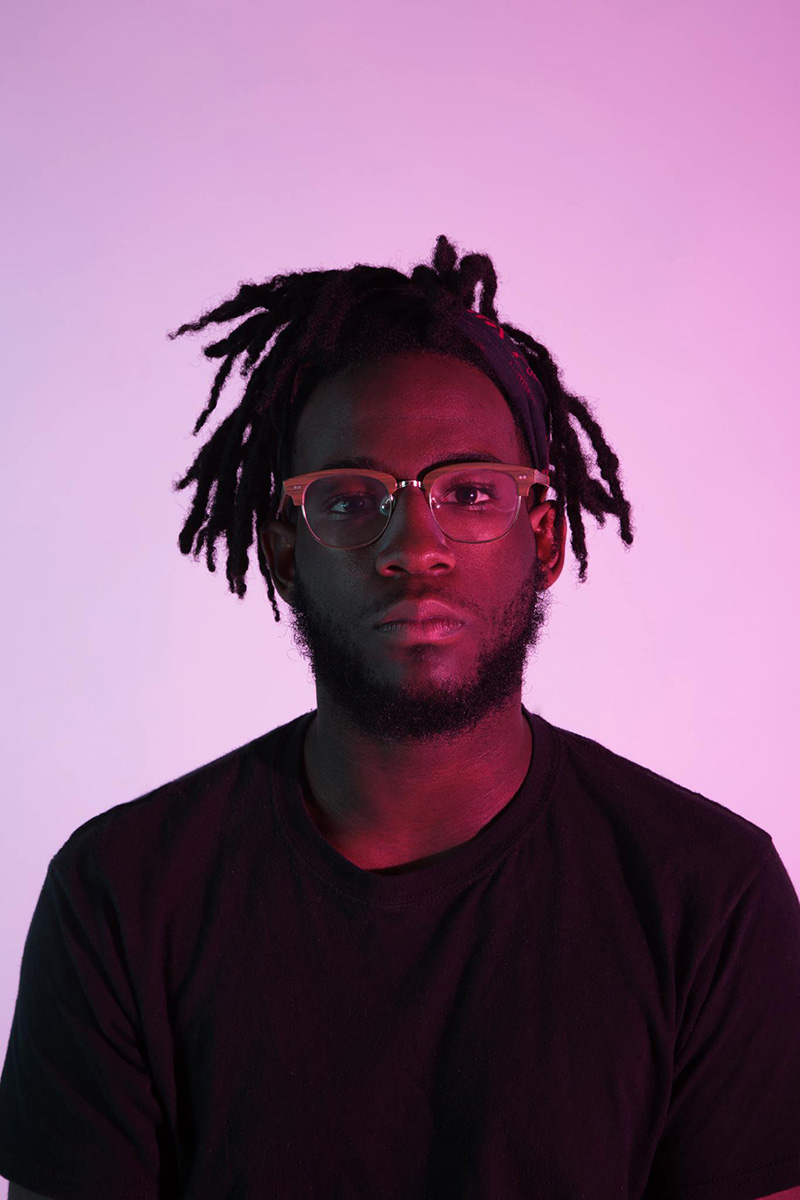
(634, 790)
(681, 840)
(190, 812)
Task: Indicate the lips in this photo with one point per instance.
(419, 610)
(415, 633)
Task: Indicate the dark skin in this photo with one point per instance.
(414, 748)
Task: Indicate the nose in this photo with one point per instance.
(413, 541)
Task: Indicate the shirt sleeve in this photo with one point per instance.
(78, 1115)
(732, 1130)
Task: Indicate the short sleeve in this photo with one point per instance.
(78, 1116)
(733, 1127)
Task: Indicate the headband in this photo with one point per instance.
(521, 388)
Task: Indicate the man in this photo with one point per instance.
(418, 942)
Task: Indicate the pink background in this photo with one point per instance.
(633, 171)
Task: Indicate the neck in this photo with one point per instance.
(388, 801)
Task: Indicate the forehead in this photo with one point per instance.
(408, 411)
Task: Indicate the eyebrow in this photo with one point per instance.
(372, 464)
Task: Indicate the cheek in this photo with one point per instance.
(332, 578)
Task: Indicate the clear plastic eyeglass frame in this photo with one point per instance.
(294, 490)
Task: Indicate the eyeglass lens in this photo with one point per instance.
(470, 505)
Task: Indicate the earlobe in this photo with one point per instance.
(559, 563)
(551, 554)
(278, 543)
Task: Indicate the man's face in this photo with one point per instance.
(410, 412)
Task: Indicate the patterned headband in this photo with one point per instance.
(520, 385)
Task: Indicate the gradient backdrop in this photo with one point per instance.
(633, 171)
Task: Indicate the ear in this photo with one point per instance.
(278, 543)
(551, 552)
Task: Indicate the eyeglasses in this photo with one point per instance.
(470, 502)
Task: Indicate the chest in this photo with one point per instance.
(482, 1050)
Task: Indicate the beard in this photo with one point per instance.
(428, 709)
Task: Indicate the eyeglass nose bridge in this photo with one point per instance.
(402, 483)
(414, 483)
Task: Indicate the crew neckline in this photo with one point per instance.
(497, 838)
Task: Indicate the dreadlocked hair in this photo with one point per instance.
(336, 320)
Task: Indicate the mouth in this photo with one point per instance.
(434, 629)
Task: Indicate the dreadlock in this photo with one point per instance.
(337, 320)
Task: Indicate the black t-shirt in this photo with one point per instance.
(597, 996)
